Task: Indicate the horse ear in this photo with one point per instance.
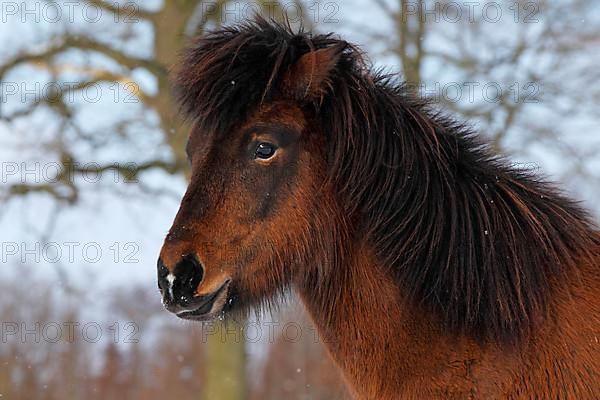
(309, 77)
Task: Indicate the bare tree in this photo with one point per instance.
(521, 70)
(125, 51)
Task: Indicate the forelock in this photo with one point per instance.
(226, 73)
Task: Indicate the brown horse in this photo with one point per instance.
(432, 268)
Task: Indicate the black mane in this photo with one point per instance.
(466, 234)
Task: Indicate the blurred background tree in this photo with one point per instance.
(522, 77)
(129, 56)
(521, 71)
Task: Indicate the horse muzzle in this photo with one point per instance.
(179, 291)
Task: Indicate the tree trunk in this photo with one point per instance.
(225, 375)
(225, 372)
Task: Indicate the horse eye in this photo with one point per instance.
(265, 151)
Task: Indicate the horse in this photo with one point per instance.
(432, 267)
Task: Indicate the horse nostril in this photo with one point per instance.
(178, 286)
(188, 275)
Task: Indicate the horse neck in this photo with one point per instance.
(376, 339)
(386, 346)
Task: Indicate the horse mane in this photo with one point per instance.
(464, 232)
